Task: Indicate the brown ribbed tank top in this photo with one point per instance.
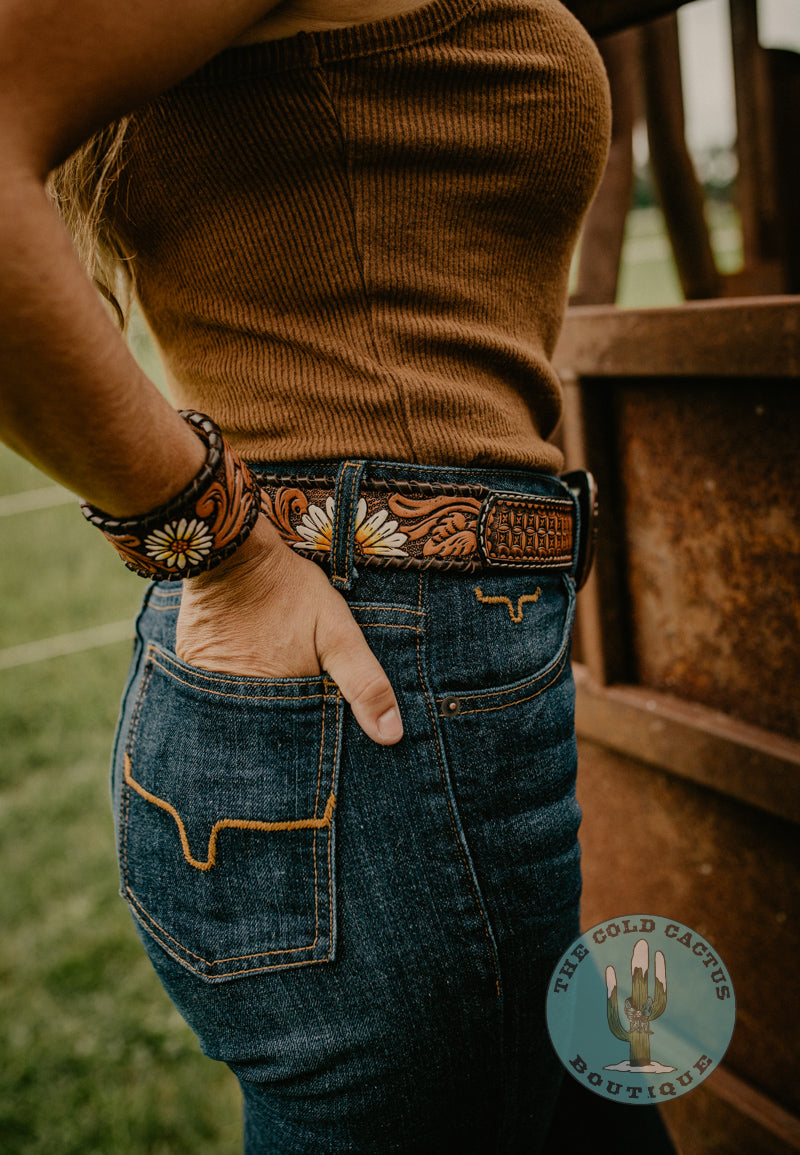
(357, 242)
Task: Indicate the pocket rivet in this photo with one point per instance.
(450, 706)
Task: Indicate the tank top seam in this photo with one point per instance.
(358, 254)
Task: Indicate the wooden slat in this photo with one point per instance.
(679, 190)
(750, 337)
(754, 766)
(755, 182)
(604, 228)
(750, 1102)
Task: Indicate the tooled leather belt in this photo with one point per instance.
(418, 524)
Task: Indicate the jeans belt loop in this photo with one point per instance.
(343, 530)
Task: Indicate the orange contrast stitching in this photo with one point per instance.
(243, 958)
(500, 600)
(385, 626)
(316, 823)
(131, 738)
(316, 804)
(154, 654)
(331, 919)
(217, 962)
(387, 609)
(471, 695)
(517, 701)
(225, 823)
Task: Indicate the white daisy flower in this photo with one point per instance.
(374, 535)
(316, 528)
(180, 543)
(377, 535)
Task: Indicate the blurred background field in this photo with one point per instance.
(94, 1059)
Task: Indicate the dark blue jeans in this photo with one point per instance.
(365, 934)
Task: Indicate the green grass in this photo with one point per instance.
(71, 578)
(95, 1059)
(648, 276)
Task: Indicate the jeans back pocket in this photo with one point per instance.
(227, 816)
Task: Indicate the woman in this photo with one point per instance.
(344, 776)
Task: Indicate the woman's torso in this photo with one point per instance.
(355, 240)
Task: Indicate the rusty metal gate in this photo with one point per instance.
(687, 654)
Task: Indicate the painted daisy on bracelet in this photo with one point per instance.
(180, 543)
(374, 535)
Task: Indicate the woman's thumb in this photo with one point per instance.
(344, 654)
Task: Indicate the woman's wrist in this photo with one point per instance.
(262, 541)
(197, 529)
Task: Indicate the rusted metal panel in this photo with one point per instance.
(711, 494)
(744, 762)
(654, 842)
(690, 416)
(757, 337)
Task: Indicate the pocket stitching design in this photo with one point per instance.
(157, 656)
(502, 600)
(555, 671)
(326, 822)
(554, 668)
(220, 961)
(230, 823)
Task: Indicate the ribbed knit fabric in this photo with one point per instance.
(357, 242)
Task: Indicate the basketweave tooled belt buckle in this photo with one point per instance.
(522, 531)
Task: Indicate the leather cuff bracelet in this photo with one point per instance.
(200, 527)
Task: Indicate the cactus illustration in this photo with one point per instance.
(642, 1007)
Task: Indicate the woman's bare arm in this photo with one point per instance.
(72, 398)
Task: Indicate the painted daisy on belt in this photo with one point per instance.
(376, 534)
(180, 543)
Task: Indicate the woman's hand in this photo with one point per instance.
(269, 613)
